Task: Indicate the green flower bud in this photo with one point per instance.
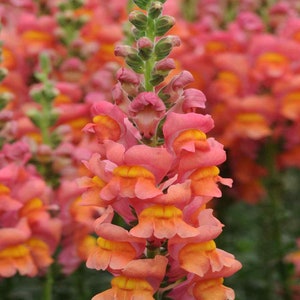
(155, 10)
(145, 47)
(137, 34)
(35, 117)
(156, 79)
(163, 25)
(138, 19)
(45, 64)
(5, 98)
(135, 62)
(142, 3)
(41, 94)
(165, 45)
(3, 73)
(131, 56)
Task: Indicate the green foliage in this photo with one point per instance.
(80, 285)
(248, 234)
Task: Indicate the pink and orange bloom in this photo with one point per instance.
(156, 167)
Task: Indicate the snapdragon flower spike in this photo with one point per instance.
(159, 180)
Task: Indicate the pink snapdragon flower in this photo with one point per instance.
(147, 110)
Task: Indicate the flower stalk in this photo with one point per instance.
(276, 214)
(157, 170)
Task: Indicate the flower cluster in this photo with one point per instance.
(53, 54)
(154, 174)
(246, 62)
(249, 72)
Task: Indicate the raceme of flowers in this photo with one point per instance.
(156, 168)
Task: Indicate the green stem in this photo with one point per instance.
(276, 211)
(45, 123)
(48, 285)
(80, 283)
(147, 75)
(158, 296)
(149, 64)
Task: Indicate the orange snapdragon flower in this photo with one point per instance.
(140, 279)
(162, 221)
(115, 248)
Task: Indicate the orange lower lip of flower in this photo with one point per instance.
(203, 285)
(14, 252)
(114, 246)
(292, 97)
(98, 182)
(205, 289)
(8, 59)
(229, 77)
(161, 212)
(133, 172)
(62, 99)
(78, 123)
(291, 105)
(208, 172)
(37, 36)
(4, 89)
(85, 246)
(273, 58)
(190, 135)
(228, 82)
(194, 248)
(37, 243)
(4, 190)
(107, 128)
(30, 206)
(213, 47)
(131, 284)
(250, 118)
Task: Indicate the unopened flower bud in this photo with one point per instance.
(138, 19)
(129, 80)
(40, 93)
(135, 62)
(137, 34)
(141, 3)
(165, 45)
(131, 56)
(3, 73)
(161, 70)
(165, 65)
(120, 97)
(174, 89)
(5, 97)
(157, 79)
(155, 10)
(163, 24)
(145, 47)
(127, 76)
(124, 50)
(44, 153)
